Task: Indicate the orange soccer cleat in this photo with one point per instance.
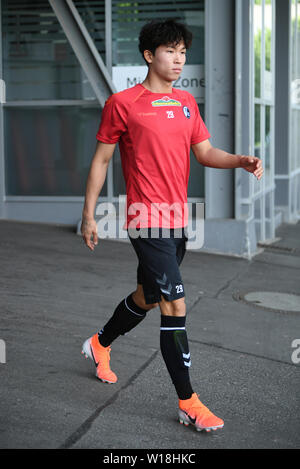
(101, 356)
(193, 411)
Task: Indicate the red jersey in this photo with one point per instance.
(155, 132)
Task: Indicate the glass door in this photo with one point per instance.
(294, 157)
(262, 125)
(255, 129)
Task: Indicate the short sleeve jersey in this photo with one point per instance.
(155, 132)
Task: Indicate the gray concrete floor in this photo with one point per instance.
(55, 293)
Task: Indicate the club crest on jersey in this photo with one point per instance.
(165, 101)
(186, 112)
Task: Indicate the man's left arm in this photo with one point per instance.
(207, 155)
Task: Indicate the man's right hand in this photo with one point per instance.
(89, 232)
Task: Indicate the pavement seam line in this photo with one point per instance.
(194, 304)
(240, 352)
(227, 285)
(86, 425)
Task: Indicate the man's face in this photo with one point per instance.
(168, 61)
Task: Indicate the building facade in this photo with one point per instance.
(61, 59)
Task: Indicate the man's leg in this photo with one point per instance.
(161, 259)
(128, 314)
(173, 308)
(174, 345)
(139, 298)
(175, 351)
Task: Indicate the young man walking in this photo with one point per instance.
(155, 126)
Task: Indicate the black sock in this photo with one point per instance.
(126, 316)
(175, 351)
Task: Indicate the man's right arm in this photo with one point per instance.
(95, 182)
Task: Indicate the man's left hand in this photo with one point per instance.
(252, 165)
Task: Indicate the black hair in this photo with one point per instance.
(158, 33)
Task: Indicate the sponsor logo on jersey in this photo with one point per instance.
(165, 101)
(186, 112)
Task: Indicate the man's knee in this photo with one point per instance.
(173, 308)
(139, 298)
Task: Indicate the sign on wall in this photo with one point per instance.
(191, 79)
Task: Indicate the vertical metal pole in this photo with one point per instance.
(272, 125)
(263, 157)
(108, 35)
(2, 164)
(207, 17)
(297, 150)
(263, 121)
(272, 160)
(290, 52)
(238, 102)
(108, 55)
(251, 103)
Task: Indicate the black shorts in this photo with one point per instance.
(159, 260)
